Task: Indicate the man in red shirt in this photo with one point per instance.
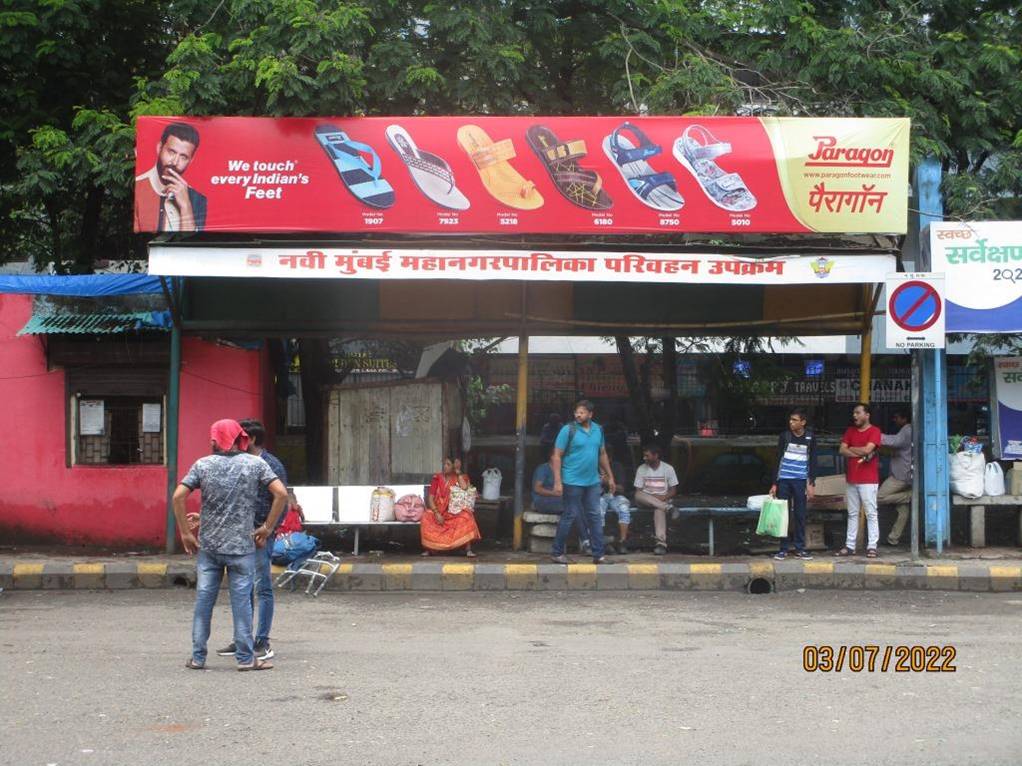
(859, 448)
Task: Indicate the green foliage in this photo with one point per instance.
(952, 67)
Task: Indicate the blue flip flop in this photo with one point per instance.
(361, 178)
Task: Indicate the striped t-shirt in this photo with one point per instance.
(798, 455)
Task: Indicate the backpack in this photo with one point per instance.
(571, 437)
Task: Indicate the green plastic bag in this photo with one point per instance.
(773, 519)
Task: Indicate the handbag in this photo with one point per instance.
(462, 500)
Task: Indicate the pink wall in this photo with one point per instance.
(45, 502)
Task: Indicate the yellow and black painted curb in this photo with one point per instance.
(757, 576)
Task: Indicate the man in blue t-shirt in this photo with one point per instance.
(795, 480)
(579, 455)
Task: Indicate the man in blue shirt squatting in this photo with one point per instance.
(796, 480)
(263, 584)
(579, 454)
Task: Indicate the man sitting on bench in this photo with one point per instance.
(656, 484)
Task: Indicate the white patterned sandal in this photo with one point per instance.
(697, 149)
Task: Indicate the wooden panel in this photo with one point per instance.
(361, 441)
(808, 301)
(417, 427)
(331, 447)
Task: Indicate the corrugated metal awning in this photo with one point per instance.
(105, 323)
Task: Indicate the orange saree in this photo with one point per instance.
(458, 529)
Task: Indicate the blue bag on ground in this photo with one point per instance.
(292, 549)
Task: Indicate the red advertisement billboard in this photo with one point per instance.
(508, 175)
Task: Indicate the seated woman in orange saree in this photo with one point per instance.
(441, 529)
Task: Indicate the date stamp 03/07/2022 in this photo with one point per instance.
(873, 658)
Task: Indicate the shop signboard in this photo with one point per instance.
(517, 175)
(1008, 415)
(548, 265)
(982, 263)
(882, 390)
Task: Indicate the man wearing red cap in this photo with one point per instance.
(229, 481)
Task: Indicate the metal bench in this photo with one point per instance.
(712, 513)
(348, 506)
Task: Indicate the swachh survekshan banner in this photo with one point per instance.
(510, 175)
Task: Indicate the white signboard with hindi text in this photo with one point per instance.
(554, 266)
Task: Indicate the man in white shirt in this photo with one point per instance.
(656, 484)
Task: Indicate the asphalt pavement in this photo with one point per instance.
(512, 678)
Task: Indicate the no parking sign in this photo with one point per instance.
(915, 311)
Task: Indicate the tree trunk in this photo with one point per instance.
(638, 398)
(670, 372)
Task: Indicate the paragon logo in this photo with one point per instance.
(829, 154)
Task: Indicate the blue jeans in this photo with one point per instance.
(264, 591)
(209, 569)
(544, 504)
(582, 503)
(794, 491)
(617, 503)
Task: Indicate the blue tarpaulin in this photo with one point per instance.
(84, 285)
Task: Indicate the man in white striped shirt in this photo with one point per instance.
(795, 480)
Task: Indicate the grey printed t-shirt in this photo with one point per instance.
(230, 485)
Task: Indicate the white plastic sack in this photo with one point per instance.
(755, 503)
(491, 484)
(968, 474)
(993, 480)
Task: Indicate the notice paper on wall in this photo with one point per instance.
(151, 418)
(91, 417)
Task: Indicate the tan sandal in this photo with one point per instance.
(500, 179)
(257, 665)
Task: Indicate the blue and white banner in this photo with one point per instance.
(982, 263)
(1008, 417)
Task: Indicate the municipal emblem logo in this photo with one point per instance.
(822, 267)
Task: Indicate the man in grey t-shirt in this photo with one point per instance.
(897, 488)
(229, 481)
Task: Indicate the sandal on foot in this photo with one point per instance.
(580, 186)
(502, 181)
(430, 173)
(656, 190)
(471, 555)
(257, 665)
(871, 553)
(193, 665)
(843, 553)
(360, 176)
(698, 150)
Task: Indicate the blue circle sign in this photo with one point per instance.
(914, 306)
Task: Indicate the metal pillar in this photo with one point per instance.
(866, 352)
(521, 410)
(916, 420)
(932, 474)
(173, 407)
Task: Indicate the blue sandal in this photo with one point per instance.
(656, 190)
(349, 158)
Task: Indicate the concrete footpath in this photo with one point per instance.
(504, 571)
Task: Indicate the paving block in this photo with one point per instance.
(739, 576)
(533, 517)
(181, 574)
(367, 577)
(852, 576)
(706, 576)
(122, 574)
(341, 580)
(457, 576)
(58, 575)
(675, 576)
(152, 574)
(1004, 578)
(789, 575)
(974, 577)
(88, 576)
(521, 576)
(941, 577)
(548, 531)
(908, 577)
(397, 576)
(541, 545)
(427, 575)
(612, 577)
(643, 576)
(582, 577)
(551, 577)
(28, 576)
(6, 574)
(489, 577)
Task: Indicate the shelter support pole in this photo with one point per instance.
(173, 408)
(521, 410)
(916, 419)
(866, 373)
(932, 475)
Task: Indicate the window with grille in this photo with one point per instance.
(116, 416)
